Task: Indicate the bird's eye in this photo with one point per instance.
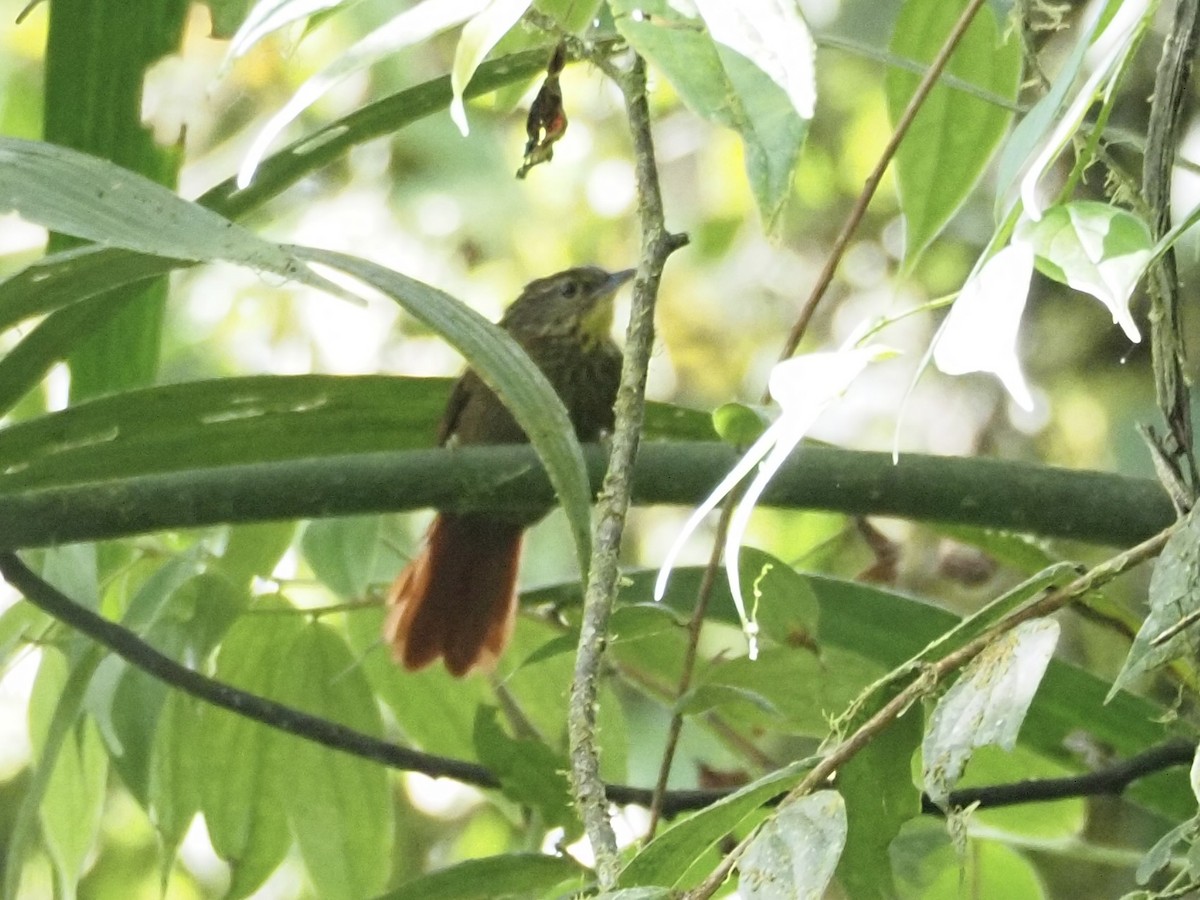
(570, 289)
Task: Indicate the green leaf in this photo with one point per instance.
(785, 606)
(254, 550)
(434, 710)
(773, 36)
(987, 705)
(795, 853)
(1170, 630)
(739, 424)
(954, 134)
(511, 875)
(339, 806)
(1095, 248)
(126, 701)
(343, 553)
(73, 798)
(174, 787)
(530, 773)
(878, 790)
(719, 84)
(243, 766)
(90, 198)
(890, 628)
(667, 858)
(506, 369)
(230, 421)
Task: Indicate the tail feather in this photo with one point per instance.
(457, 599)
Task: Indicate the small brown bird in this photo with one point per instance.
(457, 598)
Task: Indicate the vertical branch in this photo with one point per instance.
(657, 245)
(1176, 448)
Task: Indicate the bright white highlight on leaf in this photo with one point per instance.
(268, 16)
(980, 332)
(987, 704)
(410, 27)
(479, 36)
(804, 387)
(1097, 249)
(1110, 48)
(774, 36)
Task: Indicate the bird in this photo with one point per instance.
(456, 599)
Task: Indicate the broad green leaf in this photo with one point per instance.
(228, 421)
(478, 37)
(795, 853)
(339, 806)
(93, 199)
(174, 788)
(955, 134)
(344, 553)
(987, 705)
(786, 607)
(667, 858)
(530, 773)
(235, 421)
(1095, 248)
(1170, 630)
(506, 369)
(879, 794)
(126, 701)
(243, 765)
(434, 710)
(511, 875)
(98, 58)
(723, 86)
(254, 550)
(71, 800)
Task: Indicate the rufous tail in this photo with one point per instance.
(457, 599)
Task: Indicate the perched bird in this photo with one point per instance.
(457, 599)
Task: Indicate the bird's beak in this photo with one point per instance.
(616, 279)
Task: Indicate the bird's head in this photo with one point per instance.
(575, 302)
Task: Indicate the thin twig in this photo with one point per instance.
(859, 209)
(929, 677)
(657, 245)
(703, 595)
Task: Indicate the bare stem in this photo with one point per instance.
(657, 245)
(825, 278)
